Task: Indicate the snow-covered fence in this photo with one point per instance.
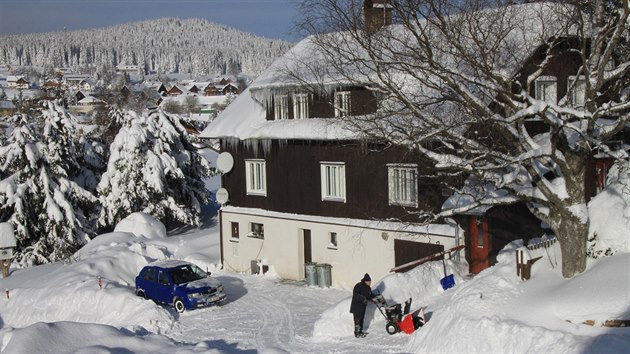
(530, 254)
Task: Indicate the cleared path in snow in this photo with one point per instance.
(264, 313)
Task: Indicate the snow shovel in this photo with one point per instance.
(449, 280)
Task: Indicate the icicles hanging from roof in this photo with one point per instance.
(257, 146)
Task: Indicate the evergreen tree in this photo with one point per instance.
(50, 212)
(154, 168)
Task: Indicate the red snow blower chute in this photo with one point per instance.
(399, 319)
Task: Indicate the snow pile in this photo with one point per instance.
(71, 292)
(142, 224)
(71, 337)
(497, 312)
(420, 284)
(610, 215)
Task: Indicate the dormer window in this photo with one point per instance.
(281, 107)
(342, 104)
(547, 89)
(577, 89)
(300, 105)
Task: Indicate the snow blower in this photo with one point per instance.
(398, 319)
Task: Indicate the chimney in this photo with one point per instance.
(376, 14)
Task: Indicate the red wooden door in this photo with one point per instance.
(479, 244)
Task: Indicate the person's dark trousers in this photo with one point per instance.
(358, 322)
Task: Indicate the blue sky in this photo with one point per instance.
(268, 18)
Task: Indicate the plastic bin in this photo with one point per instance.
(324, 277)
(255, 268)
(310, 269)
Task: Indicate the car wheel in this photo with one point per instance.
(179, 305)
(391, 328)
(141, 294)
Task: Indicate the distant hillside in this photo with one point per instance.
(164, 45)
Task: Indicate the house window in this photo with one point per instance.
(577, 87)
(547, 89)
(333, 181)
(257, 230)
(300, 105)
(403, 184)
(342, 104)
(480, 243)
(333, 240)
(256, 177)
(281, 107)
(235, 230)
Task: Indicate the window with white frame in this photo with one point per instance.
(342, 104)
(333, 181)
(577, 88)
(281, 107)
(300, 105)
(403, 184)
(547, 89)
(256, 177)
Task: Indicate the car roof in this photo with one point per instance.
(170, 263)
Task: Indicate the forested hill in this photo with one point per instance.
(164, 45)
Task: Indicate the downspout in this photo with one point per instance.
(452, 222)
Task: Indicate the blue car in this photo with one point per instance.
(178, 283)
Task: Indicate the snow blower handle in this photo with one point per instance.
(379, 300)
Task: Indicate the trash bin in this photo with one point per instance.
(311, 273)
(255, 267)
(324, 279)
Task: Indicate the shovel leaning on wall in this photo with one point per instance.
(449, 280)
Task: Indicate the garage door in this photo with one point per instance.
(409, 251)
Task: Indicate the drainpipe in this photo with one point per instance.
(452, 222)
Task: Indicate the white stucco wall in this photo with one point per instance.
(360, 249)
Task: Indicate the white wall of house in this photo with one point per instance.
(360, 249)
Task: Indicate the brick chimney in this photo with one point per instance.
(376, 14)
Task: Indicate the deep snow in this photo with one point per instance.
(60, 308)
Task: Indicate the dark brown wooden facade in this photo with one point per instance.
(294, 181)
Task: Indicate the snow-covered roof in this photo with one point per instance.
(90, 100)
(7, 237)
(245, 118)
(6, 105)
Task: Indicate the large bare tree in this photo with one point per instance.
(455, 81)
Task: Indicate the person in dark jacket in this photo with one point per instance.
(361, 294)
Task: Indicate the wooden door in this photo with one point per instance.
(479, 244)
(308, 256)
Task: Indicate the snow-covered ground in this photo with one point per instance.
(60, 308)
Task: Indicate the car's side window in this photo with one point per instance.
(162, 279)
(149, 274)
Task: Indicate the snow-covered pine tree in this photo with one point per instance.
(185, 179)
(49, 211)
(20, 159)
(153, 168)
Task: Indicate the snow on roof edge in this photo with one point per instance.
(384, 225)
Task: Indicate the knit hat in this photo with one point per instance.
(366, 277)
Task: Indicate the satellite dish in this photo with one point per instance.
(222, 196)
(225, 162)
